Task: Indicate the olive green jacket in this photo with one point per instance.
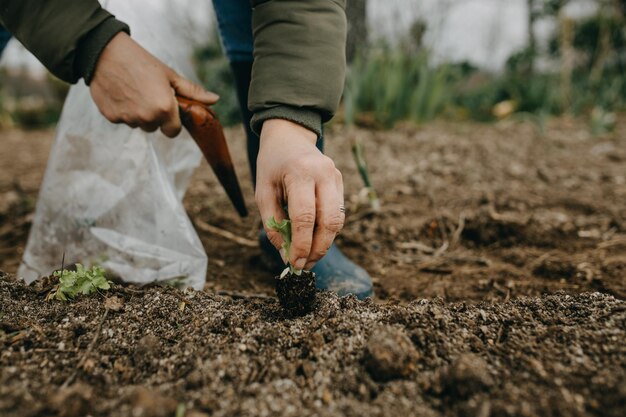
(299, 50)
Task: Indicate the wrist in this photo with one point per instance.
(285, 130)
(307, 118)
(93, 45)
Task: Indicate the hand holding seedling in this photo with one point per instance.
(292, 171)
(133, 87)
(295, 288)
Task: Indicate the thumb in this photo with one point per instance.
(186, 88)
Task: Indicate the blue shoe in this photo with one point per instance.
(334, 272)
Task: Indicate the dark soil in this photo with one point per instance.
(296, 293)
(134, 352)
(514, 241)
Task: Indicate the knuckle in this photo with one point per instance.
(293, 183)
(195, 88)
(305, 163)
(176, 132)
(338, 174)
(305, 166)
(300, 250)
(116, 117)
(162, 109)
(322, 165)
(304, 219)
(333, 223)
(145, 117)
(318, 255)
(328, 164)
(170, 133)
(291, 179)
(110, 116)
(155, 114)
(128, 119)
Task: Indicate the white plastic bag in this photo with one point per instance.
(112, 195)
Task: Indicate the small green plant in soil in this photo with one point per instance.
(81, 281)
(369, 190)
(295, 287)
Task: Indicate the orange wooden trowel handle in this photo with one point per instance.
(204, 127)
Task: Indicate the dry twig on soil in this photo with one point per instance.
(226, 234)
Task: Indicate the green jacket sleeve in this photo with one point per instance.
(299, 61)
(67, 36)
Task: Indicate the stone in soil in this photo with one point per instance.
(390, 354)
(150, 403)
(73, 401)
(467, 375)
(296, 293)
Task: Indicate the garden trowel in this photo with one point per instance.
(204, 127)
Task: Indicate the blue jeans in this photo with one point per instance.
(234, 18)
(234, 21)
(5, 37)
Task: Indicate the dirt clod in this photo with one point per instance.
(296, 293)
(150, 403)
(390, 354)
(146, 350)
(114, 303)
(73, 401)
(553, 267)
(467, 375)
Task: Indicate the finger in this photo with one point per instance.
(171, 126)
(186, 88)
(150, 126)
(329, 219)
(132, 124)
(339, 183)
(268, 201)
(301, 203)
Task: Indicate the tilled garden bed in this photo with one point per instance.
(163, 352)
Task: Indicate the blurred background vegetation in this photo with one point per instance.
(580, 70)
(28, 102)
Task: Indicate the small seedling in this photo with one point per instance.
(295, 287)
(368, 190)
(179, 282)
(602, 121)
(284, 228)
(81, 281)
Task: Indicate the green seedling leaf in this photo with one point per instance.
(284, 228)
(82, 281)
(181, 409)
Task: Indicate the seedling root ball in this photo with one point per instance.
(296, 293)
